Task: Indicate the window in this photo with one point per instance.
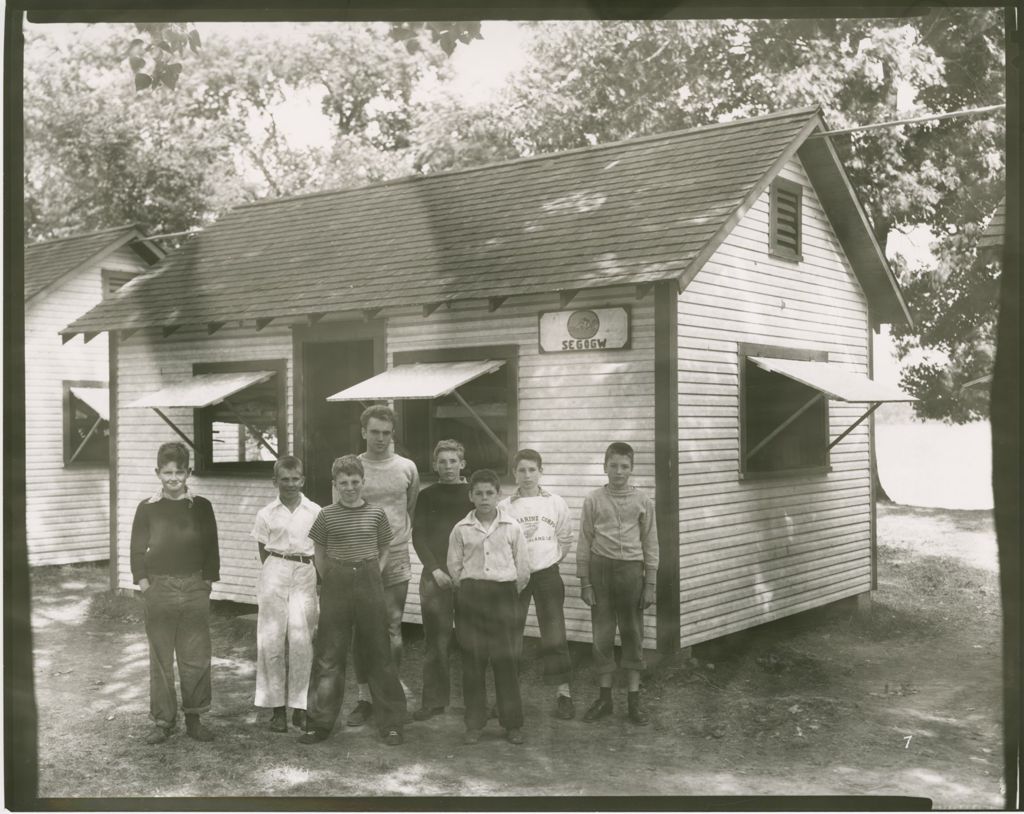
(114, 280)
(86, 424)
(786, 219)
(246, 431)
(492, 396)
(784, 424)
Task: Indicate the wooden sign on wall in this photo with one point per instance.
(586, 329)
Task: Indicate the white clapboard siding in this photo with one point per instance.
(570, 407)
(67, 509)
(147, 362)
(756, 550)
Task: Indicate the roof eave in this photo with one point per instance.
(853, 230)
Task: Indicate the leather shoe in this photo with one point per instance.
(599, 709)
(564, 708)
(514, 736)
(158, 734)
(426, 713)
(472, 736)
(360, 714)
(314, 736)
(278, 721)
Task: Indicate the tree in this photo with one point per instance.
(100, 153)
(594, 82)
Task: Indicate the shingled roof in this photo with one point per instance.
(633, 212)
(47, 262)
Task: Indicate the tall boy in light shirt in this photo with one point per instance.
(488, 567)
(393, 483)
(286, 593)
(547, 525)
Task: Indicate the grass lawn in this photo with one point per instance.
(905, 701)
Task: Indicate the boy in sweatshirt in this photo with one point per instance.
(548, 528)
(617, 563)
(175, 560)
(439, 507)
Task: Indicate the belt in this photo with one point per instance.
(292, 557)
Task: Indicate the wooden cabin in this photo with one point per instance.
(706, 295)
(67, 485)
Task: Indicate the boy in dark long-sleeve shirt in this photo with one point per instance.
(439, 507)
(175, 560)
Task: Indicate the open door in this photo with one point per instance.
(330, 429)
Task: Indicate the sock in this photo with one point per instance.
(633, 697)
(364, 693)
(191, 719)
(563, 689)
(280, 710)
(606, 694)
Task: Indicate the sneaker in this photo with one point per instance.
(299, 718)
(599, 709)
(360, 714)
(514, 736)
(314, 736)
(637, 715)
(426, 713)
(158, 734)
(565, 708)
(393, 738)
(198, 732)
(278, 721)
(472, 736)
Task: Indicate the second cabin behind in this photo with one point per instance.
(706, 295)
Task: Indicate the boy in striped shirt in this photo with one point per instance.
(350, 543)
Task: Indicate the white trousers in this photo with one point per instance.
(286, 622)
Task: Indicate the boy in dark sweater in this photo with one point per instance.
(175, 560)
(439, 507)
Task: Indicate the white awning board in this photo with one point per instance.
(98, 399)
(203, 389)
(834, 380)
(419, 380)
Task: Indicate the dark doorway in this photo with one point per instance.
(331, 428)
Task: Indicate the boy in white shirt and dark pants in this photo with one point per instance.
(488, 567)
(547, 526)
(286, 593)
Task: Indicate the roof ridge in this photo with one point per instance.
(83, 235)
(651, 137)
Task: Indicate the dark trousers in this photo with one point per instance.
(178, 627)
(352, 611)
(548, 593)
(485, 625)
(619, 595)
(437, 607)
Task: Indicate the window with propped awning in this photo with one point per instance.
(238, 413)
(784, 409)
(86, 423)
(470, 400)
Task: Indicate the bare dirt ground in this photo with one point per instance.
(903, 702)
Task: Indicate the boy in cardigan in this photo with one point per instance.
(617, 563)
(286, 596)
(175, 560)
(439, 507)
(548, 528)
(487, 561)
(351, 540)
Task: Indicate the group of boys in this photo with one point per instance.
(336, 578)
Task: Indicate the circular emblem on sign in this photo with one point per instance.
(583, 324)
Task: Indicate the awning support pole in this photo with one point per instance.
(259, 436)
(174, 427)
(874, 406)
(85, 440)
(481, 422)
(768, 438)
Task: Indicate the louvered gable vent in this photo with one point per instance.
(786, 201)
